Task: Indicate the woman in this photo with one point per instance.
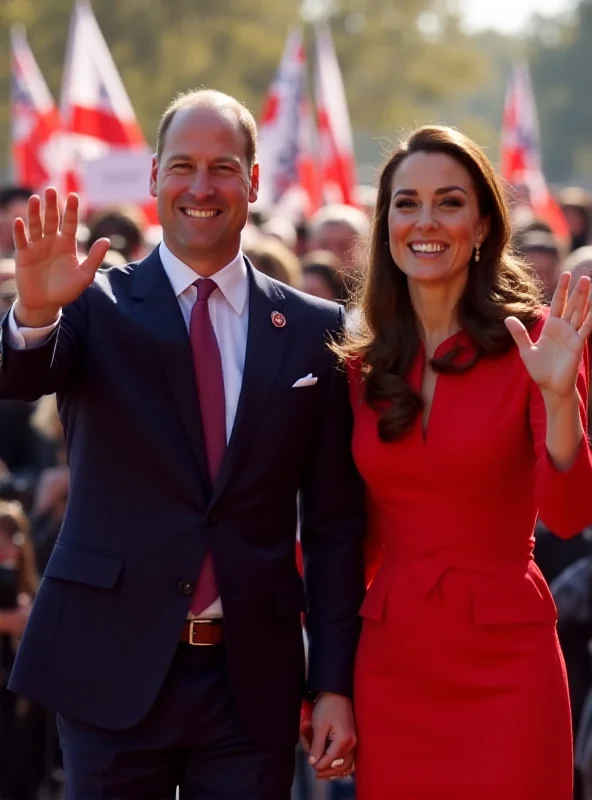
(464, 430)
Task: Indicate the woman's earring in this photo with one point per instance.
(477, 252)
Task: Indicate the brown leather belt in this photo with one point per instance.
(202, 632)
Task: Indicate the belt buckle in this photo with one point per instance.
(192, 624)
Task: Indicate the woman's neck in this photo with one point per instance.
(436, 309)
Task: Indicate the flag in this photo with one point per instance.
(98, 116)
(288, 169)
(338, 167)
(35, 120)
(521, 164)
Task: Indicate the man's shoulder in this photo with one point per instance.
(309, 307)
(108, 278)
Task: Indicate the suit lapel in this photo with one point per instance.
(266, 347)
(157, 310)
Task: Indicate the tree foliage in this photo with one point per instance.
(561, 59)
(403, 62)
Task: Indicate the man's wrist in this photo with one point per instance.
(35, 318)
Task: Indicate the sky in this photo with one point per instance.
(509, 16)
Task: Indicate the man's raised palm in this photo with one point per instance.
(49, 274)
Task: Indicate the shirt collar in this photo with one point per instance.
(232, 280)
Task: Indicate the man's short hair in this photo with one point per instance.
(214, 99)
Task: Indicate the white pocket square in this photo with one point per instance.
(308, 380)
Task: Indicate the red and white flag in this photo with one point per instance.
(99, 120)
(338, 165)
(288, 168)
(35, 120)
(521, 163)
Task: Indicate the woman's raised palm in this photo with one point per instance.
(48, 271)
(553, 361)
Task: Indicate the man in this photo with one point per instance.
(198, 398)
(13, 204)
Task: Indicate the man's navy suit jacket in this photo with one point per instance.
(142, 512)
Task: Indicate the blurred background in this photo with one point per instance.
(403, 63)
(332, 83)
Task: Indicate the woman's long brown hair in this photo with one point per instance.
(387, 341)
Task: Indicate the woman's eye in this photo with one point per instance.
(404, 204)
(455, 202)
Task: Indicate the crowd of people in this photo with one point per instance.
(323, 256)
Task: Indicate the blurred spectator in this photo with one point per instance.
(365, 198)
(270, 256)
(7, 284)
(576, 204)
(579, 263)
(302, 238)
(542, 251)
(13, 204)
(280, 228)
(341, 230)
(123, 226)
(322, 276)
(20, 769)
(48, 427)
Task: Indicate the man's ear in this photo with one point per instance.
(153, 174)
(254, 184)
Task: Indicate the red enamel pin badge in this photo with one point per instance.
(278, 319)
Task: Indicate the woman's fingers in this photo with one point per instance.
(560, 295)
(519, 333)
(585, 329)
(575, 310)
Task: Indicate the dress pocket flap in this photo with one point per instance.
(289, 598)
(512, 600)
(83, 566)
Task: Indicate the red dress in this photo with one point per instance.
(460, 686)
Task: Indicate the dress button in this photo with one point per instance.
(185, 587)
(212, 518)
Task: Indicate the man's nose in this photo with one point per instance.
(201, 185)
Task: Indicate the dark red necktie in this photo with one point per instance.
(207, 365)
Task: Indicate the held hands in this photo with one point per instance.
(329, 736)
(554, 360)
(48, 272)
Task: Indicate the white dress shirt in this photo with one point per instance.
(229, 312)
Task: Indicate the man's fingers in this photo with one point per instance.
(95, 257)
(70, 218)
(34, 218)
(52, 217)
(19, 234)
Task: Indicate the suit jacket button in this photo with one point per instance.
(185, 588)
